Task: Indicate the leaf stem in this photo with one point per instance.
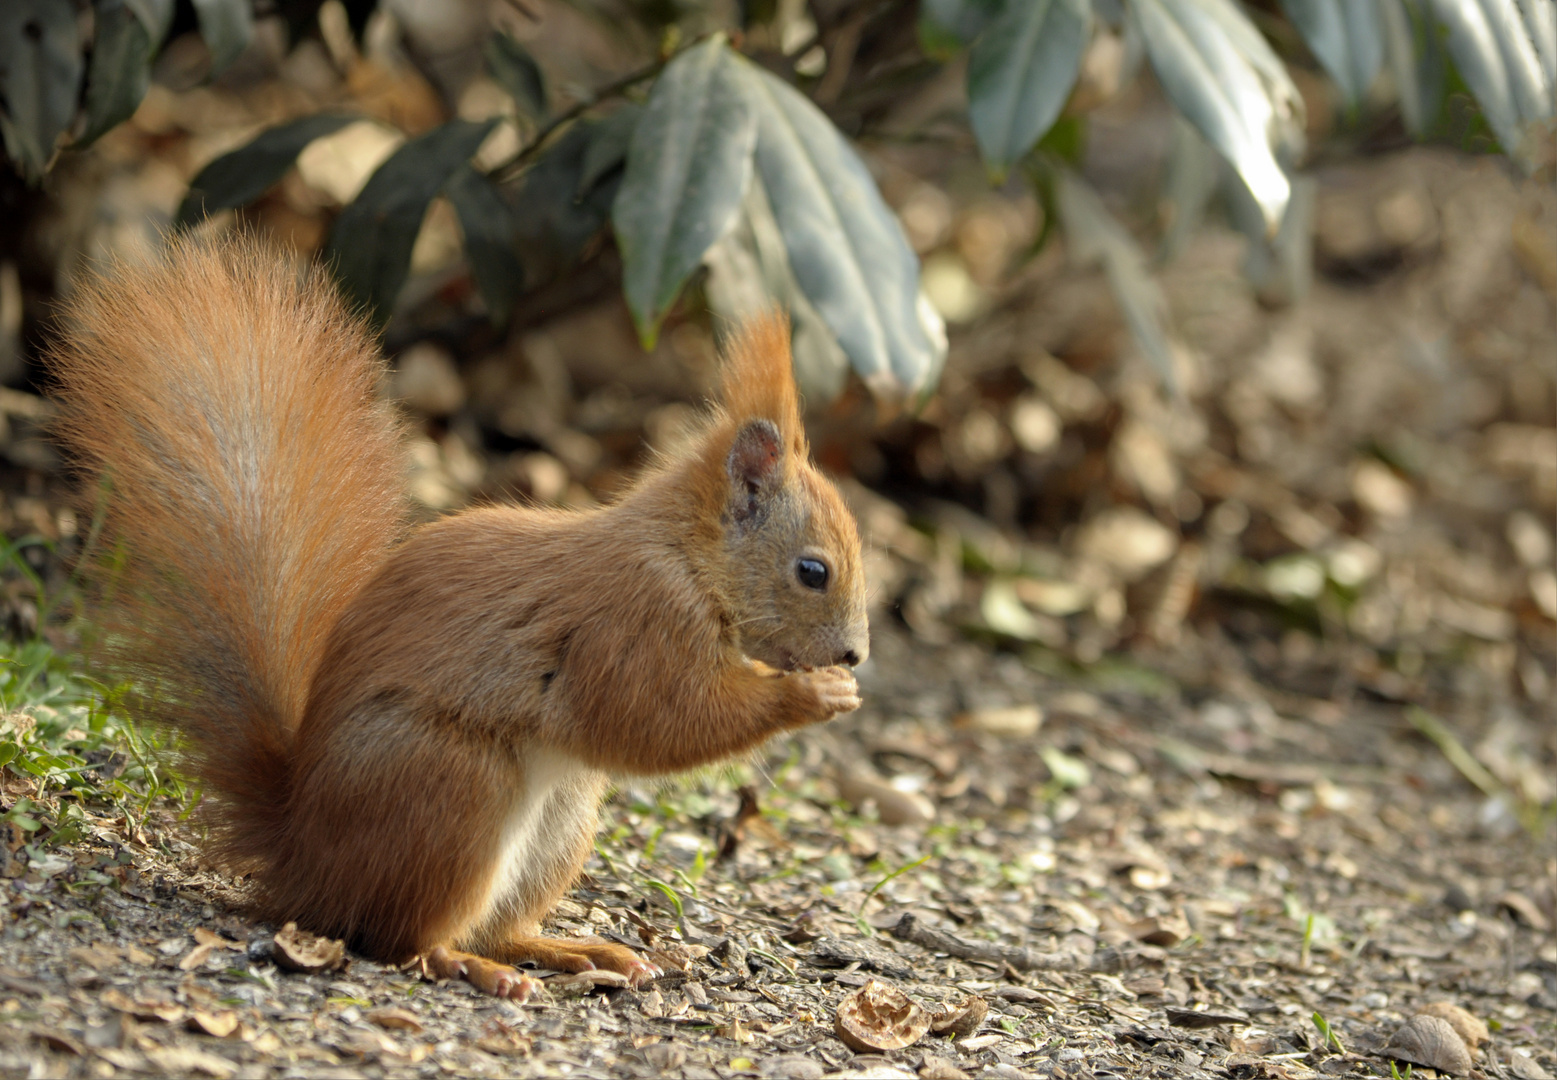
(512, 167)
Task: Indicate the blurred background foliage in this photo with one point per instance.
(1158, 342)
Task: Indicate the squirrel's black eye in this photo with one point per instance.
(812, 573)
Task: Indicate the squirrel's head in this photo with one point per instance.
(794, 583)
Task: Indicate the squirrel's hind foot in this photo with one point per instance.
(578, 954)
(490, 977)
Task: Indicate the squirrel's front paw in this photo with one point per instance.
(836, 690)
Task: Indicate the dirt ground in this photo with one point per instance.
(1206, 739)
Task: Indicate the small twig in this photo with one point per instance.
(909, 928)
(510, 168)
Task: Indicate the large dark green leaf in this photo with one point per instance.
(227, 27)
(1346, 37)
(557, 216)
(1095, 237)
(687, 167)
(1222, 76)
(1020, 74)
(240, 177)
(488, 225)
(120, 70)
(40, 76)
(516, 70)
(370, 245)
(845, 246)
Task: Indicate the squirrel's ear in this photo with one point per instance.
(756, 466)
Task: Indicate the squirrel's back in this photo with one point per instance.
(247, 480)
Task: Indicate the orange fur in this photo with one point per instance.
(406, 740)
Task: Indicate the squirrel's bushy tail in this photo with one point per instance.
(246, 480)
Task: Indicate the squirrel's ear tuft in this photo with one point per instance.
(758, 380)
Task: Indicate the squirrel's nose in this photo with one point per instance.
(851, 658)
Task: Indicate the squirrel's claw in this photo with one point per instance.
(490, 977)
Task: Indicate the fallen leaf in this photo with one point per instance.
(1430, 1041)
(1203, 1018)
(585, 982)
(197, 957)
(1011, 722)
(981, 1042)
(58, 1040)
(216, 941)
(394, 1018)
(1524, 910)
(1472, 1030)
(895, 807)
(1254, 1045)
(143, 1008)
(182, 1061)
(878, 1017)
(1164, 930)
(938, 1068)
(964, 1019)
(216, 1024)
(1526, 1067)
(98, 957)
(298, 950)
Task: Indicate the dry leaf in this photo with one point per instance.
(99, 957)
(394, 1018)
(298, 950)
(1430, 1041)
(196, 957)
(144, 1008)
(895, 807)
(938, 1068)
(1164, 930)
(1471, 1029)
(878, 1017)
(585, 982)
(1013, 722)
(216, 941)
(216, 1024)
(961, 1020)
(506, 1044)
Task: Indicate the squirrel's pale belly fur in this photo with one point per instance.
(406, 732)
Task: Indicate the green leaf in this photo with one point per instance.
(845, 246)
(240, 177)
(227, 27)
(120, 69)
(517, 72)
(488, 225)
(1222, 76)
(560, 216)
(1095, 237)
(40, 76)
(1021, 72)
(1346, 37)
(370, 246)
(688, 166)
(1492, 49)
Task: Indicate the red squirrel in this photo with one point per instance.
(405, 733)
